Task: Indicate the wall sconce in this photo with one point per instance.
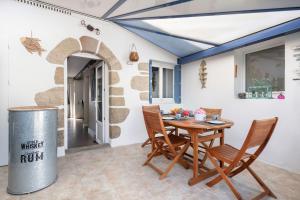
(90, 27)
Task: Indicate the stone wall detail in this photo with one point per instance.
(55, 96)
(110, 58)
(88, 44)
(51, 97)
(64, 49)
(140, 82)
(59, 76)
(116, 91)
(116, 101)
(118, 115)
(114, 131)
(113, 77)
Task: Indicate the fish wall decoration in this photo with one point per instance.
(32, 45)
(203, 73)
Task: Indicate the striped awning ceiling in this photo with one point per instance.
(185, 27)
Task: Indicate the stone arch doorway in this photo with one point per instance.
(55, 96)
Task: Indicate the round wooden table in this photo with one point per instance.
(194, 129)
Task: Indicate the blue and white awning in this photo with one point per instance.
(189, 27)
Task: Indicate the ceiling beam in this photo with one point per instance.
(113, 8)
(266, 34)
(212, 13)
(156, 44)
(173, 3)
(166, 34)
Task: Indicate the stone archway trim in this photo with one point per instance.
(55, 96)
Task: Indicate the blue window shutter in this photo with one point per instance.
(150, 81)
(177, 84)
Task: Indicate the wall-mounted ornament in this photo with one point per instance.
(32, 45)
(133, 56)
(203, 73)
(90, 27)
(235, 71)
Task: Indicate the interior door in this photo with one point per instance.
(100, 103)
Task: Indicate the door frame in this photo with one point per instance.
(101, 65)
(106, 96)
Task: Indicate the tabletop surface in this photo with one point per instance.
(191, 123)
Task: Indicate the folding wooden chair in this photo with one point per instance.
(170, 145)
(156, 108)
(206, 141)
(239, 160)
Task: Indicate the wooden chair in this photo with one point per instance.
(156, 108)
(239, 160)
(207, 141)
(170, 145)
(210, 140)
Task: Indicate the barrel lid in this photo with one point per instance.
(32, 108)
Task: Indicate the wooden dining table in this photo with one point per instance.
(194, 129)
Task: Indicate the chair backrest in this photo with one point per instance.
(152, 108)
(212, 111)
(153, 121)
(259, 135)
(155, 125)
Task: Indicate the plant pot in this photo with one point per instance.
(134, 56)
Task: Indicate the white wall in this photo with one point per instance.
(30, 74)
(283, 149)
(4, 74)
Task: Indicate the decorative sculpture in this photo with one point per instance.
(32, 44)
(90, 27)
(203, 73)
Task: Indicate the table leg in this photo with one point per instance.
(194, 138)
(203, 175)
(222, 143)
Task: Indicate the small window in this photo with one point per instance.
(162, 82)
(260, 74)
(168, 83)
(155, 82)
(265, 70)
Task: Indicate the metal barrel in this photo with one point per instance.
(32, 148)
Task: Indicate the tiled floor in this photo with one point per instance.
(117, 173)
(77, 134)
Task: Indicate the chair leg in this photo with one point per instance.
(175, 160)
(151, 156)
(184, 163)
(224, 176)
(205, 155)
(237, 171)
(261, 183)
(146, 143)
